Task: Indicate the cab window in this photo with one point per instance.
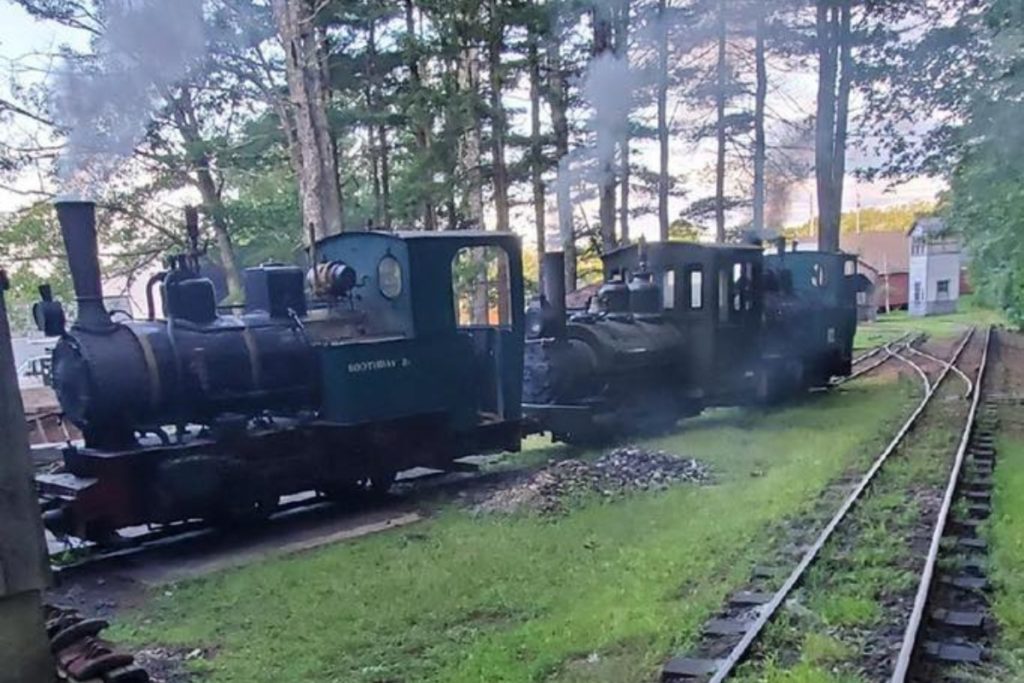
(668, 289)
(481, 287)
(696, 288)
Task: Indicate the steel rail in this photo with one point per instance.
(917, 368)
(878, 349)
(910, 636)
(958, 371)
(860, 372)
(771, 608)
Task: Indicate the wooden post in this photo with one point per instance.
(24, 572)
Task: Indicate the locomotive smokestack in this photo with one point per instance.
(78, 228)
(553, 276)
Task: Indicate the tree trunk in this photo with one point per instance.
(622, 49)
(537, 155)
(372, 148)
(842, 125)
(722, 81)
(558, 102)
(827, 23)
(213, 207)
(471, 140)
(496, 43)
(385, 175)
(760, 145)
(318, 175)
(419, 115)
(663, 184)
(606, 166)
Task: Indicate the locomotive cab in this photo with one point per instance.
(811, 315)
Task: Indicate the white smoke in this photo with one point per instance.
(608, 86)
(104, 104)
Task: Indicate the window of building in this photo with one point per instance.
(918, 291)
(850, 267)
(668, 290)
(942, 290)
(696, 284)
(481, 287)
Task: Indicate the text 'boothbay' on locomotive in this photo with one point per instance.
(391, 352)
(678, 327)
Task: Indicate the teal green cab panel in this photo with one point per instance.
(395, 378)
(398, 350)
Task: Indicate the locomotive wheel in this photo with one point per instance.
(381, 482)
(377, 484)
(244, 510)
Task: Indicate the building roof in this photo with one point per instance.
(929, 225)
(887, 251)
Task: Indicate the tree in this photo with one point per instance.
(722, 76)
(987, 194)
(305, 63)
(558, 102)
(663, 132)
(835, 81)
(603, 51)
(760, 102)
(535, 29)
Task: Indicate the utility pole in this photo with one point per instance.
(24, 573)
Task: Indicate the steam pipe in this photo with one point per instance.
(150, 284)
(553, 276)
(78, 228)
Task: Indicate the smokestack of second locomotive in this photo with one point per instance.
(78, 228)
(553, 276)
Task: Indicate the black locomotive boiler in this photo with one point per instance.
(678, 327)
(331, 380)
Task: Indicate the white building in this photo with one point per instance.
(934, 268)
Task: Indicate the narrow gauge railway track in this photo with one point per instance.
(875, 350)
(947, 622)
(728, 641)
(875, 358)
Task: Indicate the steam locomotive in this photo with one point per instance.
(397, 350)
(679, 327)
(211, 415)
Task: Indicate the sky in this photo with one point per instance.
(21, 35)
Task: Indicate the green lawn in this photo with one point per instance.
(603, 594)
(895, 324)
(1006, 533)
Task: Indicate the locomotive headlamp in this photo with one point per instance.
(389, 277)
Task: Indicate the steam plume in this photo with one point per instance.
(105, 103)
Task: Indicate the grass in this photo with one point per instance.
(605, 593)
(892, 325)
(1006, 534)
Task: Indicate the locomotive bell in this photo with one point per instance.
(613, 297)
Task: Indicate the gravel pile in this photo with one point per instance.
(623, 470)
